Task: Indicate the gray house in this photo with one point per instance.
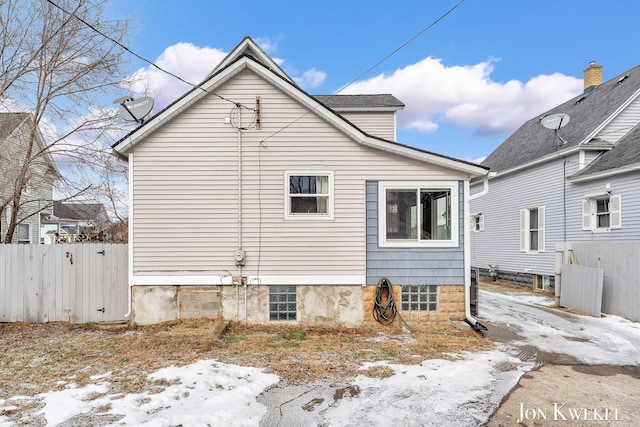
(16, 132)
(570, 174)
(252, 200)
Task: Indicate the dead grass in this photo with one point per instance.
(41, 357)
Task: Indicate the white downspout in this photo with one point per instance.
(130, 237)
(467, 249)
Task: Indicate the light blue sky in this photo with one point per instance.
(467, 82)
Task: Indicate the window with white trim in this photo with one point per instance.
(532, 229)
(602, 213)
(418, 214)
(477, 222)
(309, 195)
(23, 233)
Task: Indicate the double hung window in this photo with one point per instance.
(602, 213)
(532, 229)
(309, 195)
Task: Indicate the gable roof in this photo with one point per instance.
(10, 122)
(242, 62)
(376, 102)
(78, 211)
(588, 112)
(250, 48)
(623, 157)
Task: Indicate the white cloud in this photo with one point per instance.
(466, 97)
(189, 62)
(311, 79)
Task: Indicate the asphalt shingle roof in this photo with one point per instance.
(626, 152)
(77, 211)
(586, 111)
(338, 102)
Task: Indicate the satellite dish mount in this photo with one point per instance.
(555, 122)
(134, 110)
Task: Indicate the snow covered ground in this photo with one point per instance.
(462, 392)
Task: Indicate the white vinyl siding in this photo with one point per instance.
(309, 195)
(185, 190)
(622, 123)
(380, 123)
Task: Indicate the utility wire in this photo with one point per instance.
(111, 39)
(405, 44)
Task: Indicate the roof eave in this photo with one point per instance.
(552, 156)
(125, 144)
(604, 174)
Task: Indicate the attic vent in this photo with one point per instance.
(582, 98)
(621, 79)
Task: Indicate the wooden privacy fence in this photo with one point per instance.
(76, 282)
(620, 277)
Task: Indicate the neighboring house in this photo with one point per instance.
(36, 199)
(577, 182)
(253, 200)
(73, 222)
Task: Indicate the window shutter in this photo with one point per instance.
(541, 229)
(615, 211)
(523, 229)
(586, 214)
(481, 222)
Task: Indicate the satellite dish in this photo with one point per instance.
(135, 110)
(555, 121)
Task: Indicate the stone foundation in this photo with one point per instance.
(317, 305)
(450, 306)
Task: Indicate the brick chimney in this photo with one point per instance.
(592, 75)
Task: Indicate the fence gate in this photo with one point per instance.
(77, 282)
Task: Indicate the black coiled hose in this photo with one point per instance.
(384, 312)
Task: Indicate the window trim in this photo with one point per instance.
(477, 223)
(590, 212)
(452, 186)
(525, 240)
(24, 242)
(329, 216)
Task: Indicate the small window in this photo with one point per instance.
(477, 222)
(541, 283)
(23, 233)
(602, 213)
(309, 195)
(420, 298)
(418, 214)
(282, 302)
(532, 230)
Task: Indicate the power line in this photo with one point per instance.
(111, 39)
(405, 44)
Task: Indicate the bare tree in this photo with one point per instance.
(58, 61)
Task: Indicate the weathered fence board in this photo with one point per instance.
(620, 263)
(76, 282)
(582, 289)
